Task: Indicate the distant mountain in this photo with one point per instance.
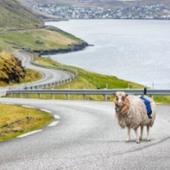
(113, 4)
(14, 16)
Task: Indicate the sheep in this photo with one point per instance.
(132, 114)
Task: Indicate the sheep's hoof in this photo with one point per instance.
(140, 139)
(148, 140)
(127, 140)
(137, 141)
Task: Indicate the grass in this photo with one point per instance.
(14, 16)
(31, 76)
(162, 99)
(37, 39)
(87, 80)
(16, 120)
(12, 71)
(21, 29)
(91, 80)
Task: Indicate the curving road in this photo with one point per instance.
(86, 136)
(49, 76)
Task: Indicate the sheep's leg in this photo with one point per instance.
(128, 135)
(141, 133)
(148, 134)
(137, 137)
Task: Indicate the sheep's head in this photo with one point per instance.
(121, 101)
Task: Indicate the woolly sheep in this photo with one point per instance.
(132, 114)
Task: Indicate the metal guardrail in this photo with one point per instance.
(73, 72)
(73, 76)
(48, 85)
(84, 92)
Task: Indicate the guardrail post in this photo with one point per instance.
(145, 91)
(105, 97)
(67, 96)
(9, 95)
(39, 95)
(52, 95)
(53, 85)
(27, 95)
(84, 96)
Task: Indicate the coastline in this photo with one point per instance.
(71, 48)
(79, 45)
(114, 44)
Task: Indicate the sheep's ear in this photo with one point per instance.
(126, 95)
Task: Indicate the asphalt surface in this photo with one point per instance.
(87, 136)
(48, 75)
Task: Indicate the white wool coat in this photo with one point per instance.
(136, 114)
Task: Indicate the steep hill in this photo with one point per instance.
(15, 16)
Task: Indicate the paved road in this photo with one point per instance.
(87, 137)
(49, 76)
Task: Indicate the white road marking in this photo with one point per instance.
(56, 116)
(53, 123)
(28, 106)
(46, 110)
(8, 103)
(29, 133)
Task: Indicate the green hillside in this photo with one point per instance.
(39, 40)
(15, 16)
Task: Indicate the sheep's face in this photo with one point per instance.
(120, 100)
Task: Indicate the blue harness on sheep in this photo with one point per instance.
(147, 105)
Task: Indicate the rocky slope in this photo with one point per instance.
(11, 70)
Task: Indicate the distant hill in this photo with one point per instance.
(101, 9)
(119, 9)
(15, 16)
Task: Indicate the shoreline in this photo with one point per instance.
(71, 48)
(119, 46)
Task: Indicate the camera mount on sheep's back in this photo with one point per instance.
(131, 113)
